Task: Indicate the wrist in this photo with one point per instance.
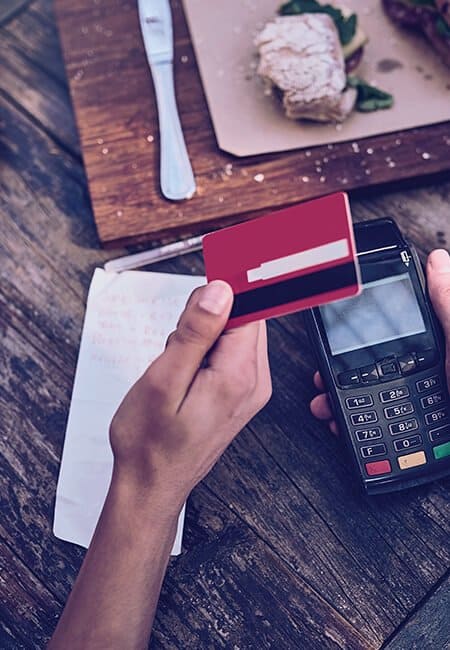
(146, 494)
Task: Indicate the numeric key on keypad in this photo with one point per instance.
(394, 394)
(432, 400)
(407, 443)
(403, 427)
(359, 402)
(368, 434)
(397, 411)
(374, 450)
(426, 384)
(436, 416)
(364, 418)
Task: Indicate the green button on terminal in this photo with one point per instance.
(442, 451)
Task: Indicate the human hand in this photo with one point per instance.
(438, 279)
(194, 398)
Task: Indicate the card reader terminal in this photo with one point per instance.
(382, 357)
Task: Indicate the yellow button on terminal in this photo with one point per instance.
(412, 460)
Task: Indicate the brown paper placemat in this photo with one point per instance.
(248, 122)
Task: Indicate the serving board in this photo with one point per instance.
(115, 109)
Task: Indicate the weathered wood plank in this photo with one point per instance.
(36, 93)
(37, 35)
(43, 196)
(27, 609)
(10, 8)
(246, 597)
(34, 75)
(429, 627)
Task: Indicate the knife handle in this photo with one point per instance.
(176, 176)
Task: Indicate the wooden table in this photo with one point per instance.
(280, 549)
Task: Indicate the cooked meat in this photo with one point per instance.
(302, 57)
(402, 12)
(440, 42)
(424, 18)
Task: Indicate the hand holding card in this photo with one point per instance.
(293, 259)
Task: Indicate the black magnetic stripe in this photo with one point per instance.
(304, 286)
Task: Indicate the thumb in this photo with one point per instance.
(200, 325)
(438, 276)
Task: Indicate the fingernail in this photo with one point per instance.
(440, 260)
(215, 297)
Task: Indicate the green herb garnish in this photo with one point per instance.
(346, 26)
(369, 97)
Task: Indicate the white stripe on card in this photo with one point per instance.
(331, 252)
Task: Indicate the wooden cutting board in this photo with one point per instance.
(115, 109)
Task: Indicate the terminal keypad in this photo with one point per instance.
(394, 431)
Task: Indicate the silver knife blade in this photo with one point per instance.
(155, 18)
(176, 175)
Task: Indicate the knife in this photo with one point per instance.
(176, 176)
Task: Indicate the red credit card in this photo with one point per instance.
(286, 261)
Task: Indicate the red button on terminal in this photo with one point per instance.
(379, 467)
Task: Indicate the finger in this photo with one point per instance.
(233, 366)
(318, 381)
(169, 338)
(200, 324)
(192, 297)
(261, 348)
(333, 427)
(264, 381)
(320, 407)
(438, 276)
(236, 350)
